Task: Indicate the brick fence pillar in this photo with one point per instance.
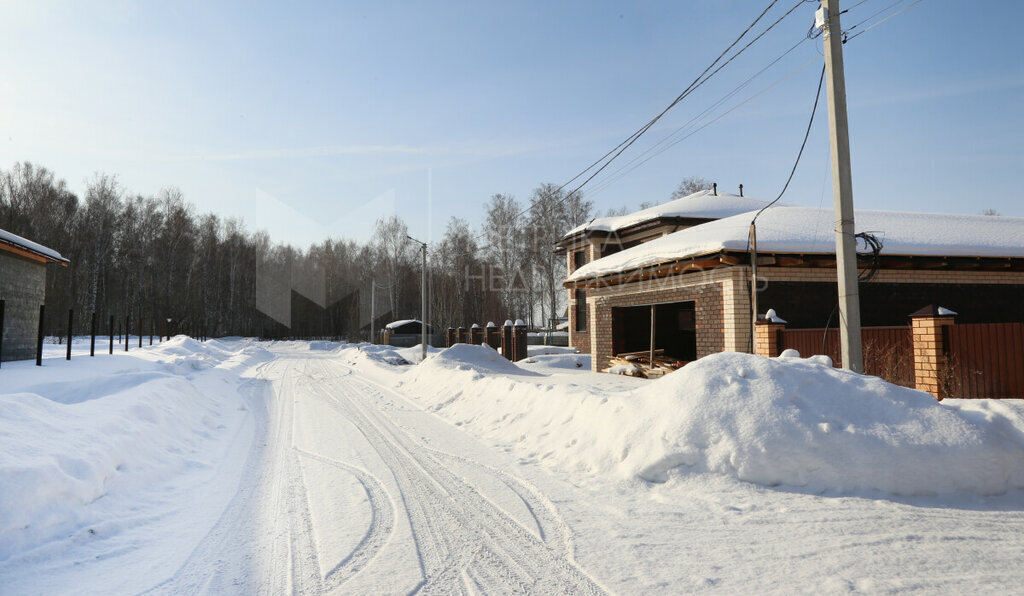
(462, 335)
(476, 335)
(493, 336)
(769, 338)
(929, 348)
(506, 340)
(519, 341)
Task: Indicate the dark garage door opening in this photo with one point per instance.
(675, 329)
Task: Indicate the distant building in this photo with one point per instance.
(407, 333)
(22, 290)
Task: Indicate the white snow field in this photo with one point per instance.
(244, 467)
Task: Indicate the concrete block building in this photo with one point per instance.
(22, 290)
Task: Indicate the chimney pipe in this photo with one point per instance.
(741, 190)
(714, 188)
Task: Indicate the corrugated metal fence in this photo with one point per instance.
(888, 351)
(985, 360)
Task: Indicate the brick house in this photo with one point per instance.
(22, 290)
(695, 283)
(605, 236)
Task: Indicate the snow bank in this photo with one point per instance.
(803, 423)
(786, 421)
(115, 430)
(476, 359)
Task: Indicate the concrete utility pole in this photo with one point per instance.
(842, 191)
(373, 301)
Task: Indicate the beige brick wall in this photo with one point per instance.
(706, 289)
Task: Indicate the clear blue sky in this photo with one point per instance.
(310, 120)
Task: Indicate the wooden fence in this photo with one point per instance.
(888, 351)
(986, 360)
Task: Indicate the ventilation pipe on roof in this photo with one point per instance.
(714, 188)
(741, 190)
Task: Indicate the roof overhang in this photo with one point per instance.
(28, 253)
(637, 228)
(731, 258)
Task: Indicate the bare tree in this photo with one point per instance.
(689, 185)
(394, 253)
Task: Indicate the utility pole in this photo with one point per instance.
(842, 191)
(373, 300)
(423, 300)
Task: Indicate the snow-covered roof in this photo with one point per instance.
(25, 244)
(700, 205)
(395, 324)
(806, 230)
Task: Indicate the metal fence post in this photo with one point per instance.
(111, 329)
(92, 335)
(127, 328)
(2, 302)
(39, 336)
(71, 322)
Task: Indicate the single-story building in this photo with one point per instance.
(697, 281)
(22, 290)
(407, 333)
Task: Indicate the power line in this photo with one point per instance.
(636, 134)
(693, 86)
(865, 30)
(626, 169)
(704, 76)
(817, 96)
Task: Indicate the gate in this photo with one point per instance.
(986, 360)
(888, 351)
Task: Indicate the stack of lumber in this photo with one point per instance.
(640, 364)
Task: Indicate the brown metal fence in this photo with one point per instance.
(888, 351)
(986, 360)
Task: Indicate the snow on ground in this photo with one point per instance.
(790, 421)
(101, 455)
(470, 473)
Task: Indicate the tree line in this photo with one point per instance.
(153, 258)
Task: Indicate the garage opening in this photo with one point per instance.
(675, 329)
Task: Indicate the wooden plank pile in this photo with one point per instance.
(640, 364)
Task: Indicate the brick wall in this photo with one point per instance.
(23, 288)
(706, 289)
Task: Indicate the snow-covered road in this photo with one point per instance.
(244, 467)
(347, 480)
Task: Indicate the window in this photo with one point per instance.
(579, 259)
(581, 310)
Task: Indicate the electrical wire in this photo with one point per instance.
(807, 134)
(626, 169)
(702, 78)
(865, 30)
(693, 86)
(814, 110)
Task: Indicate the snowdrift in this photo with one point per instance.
(784, 421)
(803, 423)
(118, 432)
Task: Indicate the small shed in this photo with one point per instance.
(22, 291)
(407, 333)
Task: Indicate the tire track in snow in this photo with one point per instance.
(460, 535)
(382, 523)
